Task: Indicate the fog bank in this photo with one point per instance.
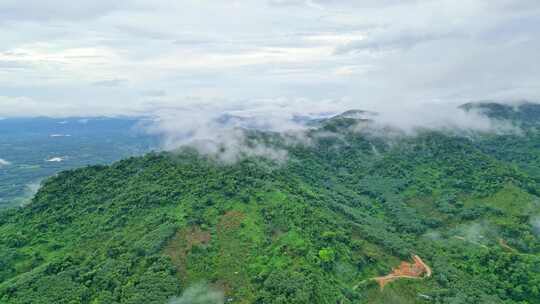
(222, 131)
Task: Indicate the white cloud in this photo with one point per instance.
(535, 222)
(36, 10)
(200, 294)
(219, 130)
(4, 163)
(56, 159)
(110, 82)
(441, 116)
(62, 57)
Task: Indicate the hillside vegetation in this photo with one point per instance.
(349, 206)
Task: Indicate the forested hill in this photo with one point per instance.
(522, 113)
(347, 206)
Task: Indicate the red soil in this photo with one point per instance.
(416, 270)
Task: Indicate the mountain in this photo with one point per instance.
(518, 149)
(523, 113)
(349, 217)
(357, 114)
(32, 149)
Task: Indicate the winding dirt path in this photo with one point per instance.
(416, 270)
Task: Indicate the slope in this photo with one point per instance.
(347, 207)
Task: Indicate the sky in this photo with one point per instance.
(133, 57)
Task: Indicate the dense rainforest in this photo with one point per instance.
(348, 206)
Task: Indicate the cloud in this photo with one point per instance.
(223, 132)
(218, 134)
(12, 64)
(441, 117)
(4, 163)
(36, 10)
(286, 2)
(334, 3)
(56, 159)
(154, 93)
(61, 54)
(307, 3)
(110, 83)
(15, 106)
(535, 222)
(199, 294)
(393, 41)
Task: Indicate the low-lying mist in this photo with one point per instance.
(535, 222)
(221, 132)
(199, 294)
(222, 135)
(443, 117)
(4, 163)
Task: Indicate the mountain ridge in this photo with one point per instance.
(342, 209)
